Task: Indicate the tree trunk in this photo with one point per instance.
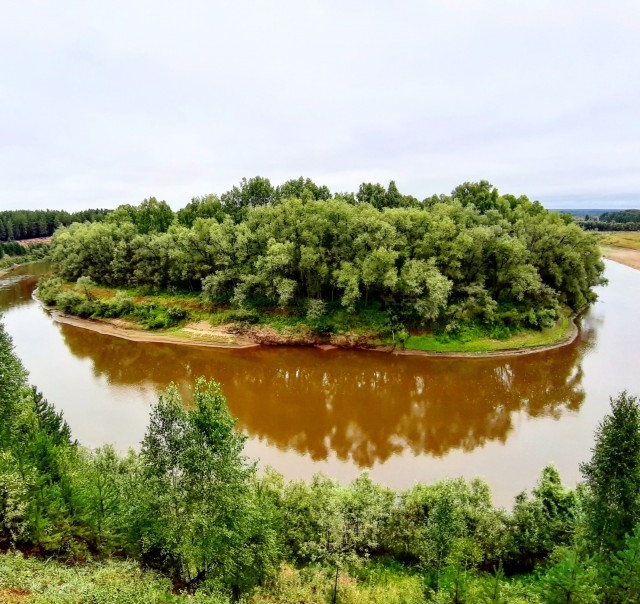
(334, 598)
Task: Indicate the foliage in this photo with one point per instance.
(621, 216)
(571, 578)
(622, 574)
(82, 301)
(20, 253)
(197, 513)
(613, 476)
(540, 523)
(474, 257)
(593, 225)
(27, 224)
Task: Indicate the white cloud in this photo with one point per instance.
(107, 103)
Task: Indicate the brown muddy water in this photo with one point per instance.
(404, 419)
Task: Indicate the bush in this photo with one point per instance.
(153, 316)
(176, 313)
(123, 304)
(49, 289)
(316, 309)
(69, 301)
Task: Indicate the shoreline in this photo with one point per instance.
(139, 335)
(5, 271)
(622, 255)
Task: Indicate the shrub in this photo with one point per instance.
(69, 301)
(49, 289)
(315, 309)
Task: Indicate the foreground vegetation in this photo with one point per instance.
(472, 265)
(189, 515)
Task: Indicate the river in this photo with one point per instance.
(404, 419)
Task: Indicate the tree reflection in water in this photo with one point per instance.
(361, 406)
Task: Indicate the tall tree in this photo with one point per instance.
(613, 476)
(197, 513)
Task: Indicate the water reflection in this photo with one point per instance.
(361, 407)
(408, 418)
(16, 288)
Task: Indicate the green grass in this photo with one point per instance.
(30, 580)
(34, 581)
(630, 240)
(525, 339)
(7, 262)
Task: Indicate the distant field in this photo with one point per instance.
(630, 240)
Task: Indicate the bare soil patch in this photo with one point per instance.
(193, 334)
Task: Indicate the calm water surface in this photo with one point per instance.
(405, 419)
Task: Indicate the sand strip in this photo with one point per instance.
(623, 255)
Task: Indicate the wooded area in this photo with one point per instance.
(447, 261)
(29, 224)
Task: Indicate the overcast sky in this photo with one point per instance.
(103, 103)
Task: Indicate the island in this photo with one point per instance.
(473, 272)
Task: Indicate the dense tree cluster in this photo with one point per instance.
(12, 252)
(28, 224)
(186, 504)
(190, 505)
(473, 256)
(12, 248)
(618, 220)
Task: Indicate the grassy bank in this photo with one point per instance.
(629, 240)
(476, 341)
(9, 262)
(185, 317)
(622, 247)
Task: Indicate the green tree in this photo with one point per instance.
(196, 509)
(622, 572)
(304, 189)
(251, 193)
(613, 476)
(572, 579)
(12, 387)
(208, 206)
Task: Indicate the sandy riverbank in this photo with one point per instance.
(623, 255)
(202, 334)
(192, 334)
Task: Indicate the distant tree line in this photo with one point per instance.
(474, 255)
(29, 224)
(621, 216)
(596, 225)
(618, 220)
(192, 506)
